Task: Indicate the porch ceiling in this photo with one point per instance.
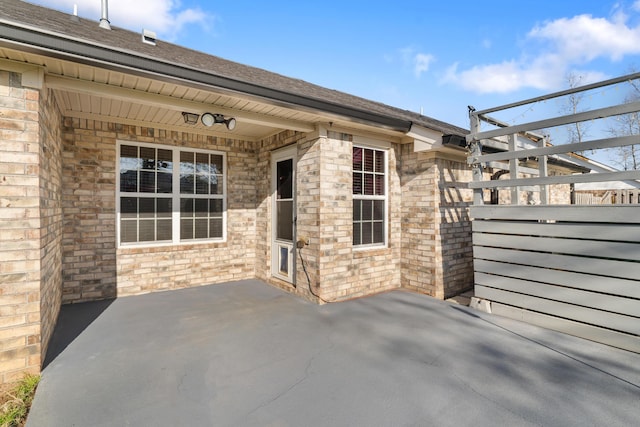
(88, 92)
(254, 121)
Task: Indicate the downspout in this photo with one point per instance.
(104, 19)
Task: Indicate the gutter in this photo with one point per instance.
(53, 45)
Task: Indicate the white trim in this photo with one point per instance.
(385, 244)
(171, 103)
(175, 196)
(290, 152)
(424, 138)
(369, 142)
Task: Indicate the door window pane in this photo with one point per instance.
(284, 177)
(285, 220)
(284, 260)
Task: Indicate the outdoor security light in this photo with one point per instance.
(209, 119)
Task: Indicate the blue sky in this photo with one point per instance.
(434, 57)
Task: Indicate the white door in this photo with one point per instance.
(283, 218)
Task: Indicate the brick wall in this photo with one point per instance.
(308, 201)
(328, 267)
(263, 205)
(94, 268)
(51, 224)
(89, 253)
(454, 271)
(437, 255)
(419, 180)
(20, 244)
(345, 272)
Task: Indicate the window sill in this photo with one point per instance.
(368, 251)
(171, 247)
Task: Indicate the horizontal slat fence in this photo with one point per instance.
(572, 269)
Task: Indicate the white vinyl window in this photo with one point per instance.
(168, 195)
(369, 197)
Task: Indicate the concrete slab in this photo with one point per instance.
(246, 354)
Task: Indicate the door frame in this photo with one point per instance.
(277, 245)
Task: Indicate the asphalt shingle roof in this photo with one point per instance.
(87, 31)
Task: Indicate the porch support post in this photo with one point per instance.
(513, 170)
(475, 148)
(542, 166)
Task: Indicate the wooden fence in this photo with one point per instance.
(626, 197)
(571, 268)
(617, 197)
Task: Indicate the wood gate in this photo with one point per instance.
(570, 268)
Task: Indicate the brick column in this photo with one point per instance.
(20, 348)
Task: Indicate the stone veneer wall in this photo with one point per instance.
(30, 226)
(94, 268)
(437, 255)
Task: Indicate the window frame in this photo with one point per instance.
(175, 195)
(384, 198)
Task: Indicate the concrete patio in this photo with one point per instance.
(246, 354)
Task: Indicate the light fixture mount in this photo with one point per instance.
(190, 118)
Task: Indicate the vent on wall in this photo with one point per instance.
(149, 37)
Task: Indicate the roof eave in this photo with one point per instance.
(14, 35)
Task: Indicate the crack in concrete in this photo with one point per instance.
(495, 402)
(298, 382)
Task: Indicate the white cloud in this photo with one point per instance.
(417, 61)
(565, 44)
(584, 38)
(166, 17)
(421, 63)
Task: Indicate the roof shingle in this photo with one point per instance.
(70, 27)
